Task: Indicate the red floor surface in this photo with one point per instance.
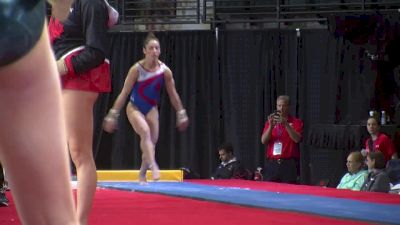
(112, 207)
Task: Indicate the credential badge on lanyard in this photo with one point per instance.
(277, 150)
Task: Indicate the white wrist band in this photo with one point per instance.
(113, 113)
(181, 115)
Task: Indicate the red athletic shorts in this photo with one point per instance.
(95, 80)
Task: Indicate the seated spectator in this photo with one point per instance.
(393, 171)
(229, 167)
(377, 180)
(356, 176)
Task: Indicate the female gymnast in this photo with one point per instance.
(143, 83)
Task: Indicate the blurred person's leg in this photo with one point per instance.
(271, 170)
(288, 171)
(78, 106)
(32, 138)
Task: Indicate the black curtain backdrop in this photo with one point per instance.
(228, 82)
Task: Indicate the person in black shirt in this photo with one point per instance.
(80, 45)
(229, 167)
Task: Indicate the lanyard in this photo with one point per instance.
(279, 131)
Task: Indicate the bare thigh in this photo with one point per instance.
(78, 108)
(30, 108)
(32, 138)
(138, 121)
(152, 119)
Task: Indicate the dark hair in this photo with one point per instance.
(150, 37)
(379, 159)
(375, 118)
(227, 146)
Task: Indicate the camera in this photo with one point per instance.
(276, 114)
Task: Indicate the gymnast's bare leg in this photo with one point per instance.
(147, 128)
(33, 147)
(78, 106)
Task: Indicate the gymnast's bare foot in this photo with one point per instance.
(155, 172)
(142, 175)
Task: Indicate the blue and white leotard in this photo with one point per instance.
(146, 91)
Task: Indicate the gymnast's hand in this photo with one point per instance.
(62, 67)
(182, 120)
(110, 122)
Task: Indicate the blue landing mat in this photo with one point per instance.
(325, 206)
